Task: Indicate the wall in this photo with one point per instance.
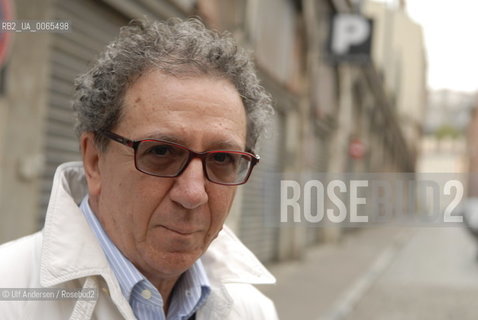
(399, 54)
(24, 106)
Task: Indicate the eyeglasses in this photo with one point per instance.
(168, 160)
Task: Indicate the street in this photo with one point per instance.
(382, 273)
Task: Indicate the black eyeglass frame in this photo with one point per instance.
(192, 155)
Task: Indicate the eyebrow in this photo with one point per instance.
(165, 137)
(227, 144)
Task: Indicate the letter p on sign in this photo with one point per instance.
(351, 36)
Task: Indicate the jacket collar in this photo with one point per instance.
(228, 260)
(71, 251)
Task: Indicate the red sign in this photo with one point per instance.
(6, 14)
(356, 149)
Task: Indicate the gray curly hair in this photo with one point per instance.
(175, 47)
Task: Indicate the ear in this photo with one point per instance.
(91, 158)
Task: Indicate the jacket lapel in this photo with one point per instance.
(218, 305)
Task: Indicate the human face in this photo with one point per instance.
(163, 225)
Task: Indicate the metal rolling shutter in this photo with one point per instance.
(94, 25)
(257, 232)
(314, 230)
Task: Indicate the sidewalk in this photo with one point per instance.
(382, 273)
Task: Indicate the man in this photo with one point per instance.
(168, 119)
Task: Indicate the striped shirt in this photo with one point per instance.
(190, 292)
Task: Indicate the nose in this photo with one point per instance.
(189, 189)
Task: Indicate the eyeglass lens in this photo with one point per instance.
(168, 160)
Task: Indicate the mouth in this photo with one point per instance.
(183, 232)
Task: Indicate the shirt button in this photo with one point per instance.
(146, 294)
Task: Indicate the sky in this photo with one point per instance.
(451, 39)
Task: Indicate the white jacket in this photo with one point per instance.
(66, 254)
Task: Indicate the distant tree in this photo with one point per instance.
(445, 131)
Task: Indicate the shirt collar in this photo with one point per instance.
(190, 291)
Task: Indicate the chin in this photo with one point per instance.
(171, 264)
